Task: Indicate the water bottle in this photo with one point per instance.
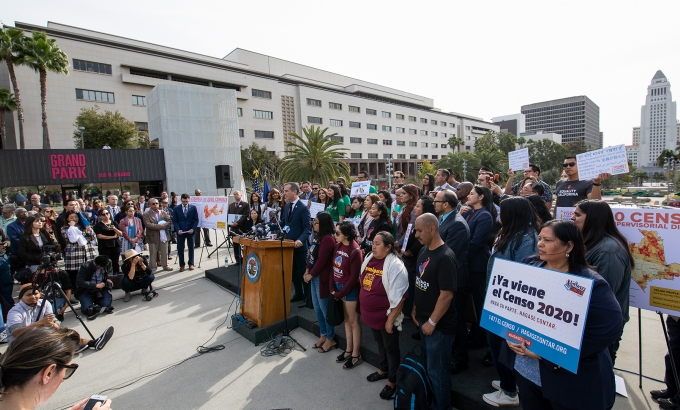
(226, 261)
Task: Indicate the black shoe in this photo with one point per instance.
(108, 310)
(74, 301)
(297, 298)
(416, 335)
(487, 360)
(302, 305)
(660, 394)
(387, 392)
(104, 338)
(668, 404)
(59, 316)
(458, 367)
(208, 244)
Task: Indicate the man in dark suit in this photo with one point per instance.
(185, 221)
(296, 216)
(455, 232)
(238, 207)
(206, 231)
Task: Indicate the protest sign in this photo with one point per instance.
(610, 160)
(212, 211)
(406, 235)
(361, 188)
(544, 309)
(655, 279)
(315, 208)
(564, 212)
(519, 160)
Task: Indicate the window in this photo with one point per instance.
(435, 157)
(263, 114)
(239, 111)
(386, 114)
(334, 106)
(264, 134)
(338, 138)
(401, 156)
(400, 116)
(89, 95)
(424, 156)
(423, 132)
(433, 122)
(423, 120)
(371, 112)
(355, 155)
(371, 141)
(443, 124)
(434, 133)
(91, 67)
(435, 145)
(354, 109)
(452, 125)
(443, 135)
(142, 126)
(411, 118)
(443, 146)
(353, 124)
(387, 142)
(401, 130)
(354, 140)
(467, 127)
(412, 144)
(240, 133)
(314, 103)
(314, 120)
(373, 156)
(371, 127)
(423, 145)
(387, 128)
(467, 148)
(401, 143)
(139, 100)
(414, 156)
(262, 94)
(387, 156)
(412, 131)
(336, 123)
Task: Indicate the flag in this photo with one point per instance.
(266, 191)
(256, 183)
(243, 186)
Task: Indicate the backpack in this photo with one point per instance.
(413, 386)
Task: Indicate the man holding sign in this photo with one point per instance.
(572, 190)
(558, 323)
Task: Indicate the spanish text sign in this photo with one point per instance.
(543, 308)
(610, 160)
(212, 211)
(519, 160)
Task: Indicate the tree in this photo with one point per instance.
(426, 168)
(42, 54)
(547, 154)
(458, 162)
(494, 159)
(521, 141)
(658, 176)
(257, 157)
(314, 158)
(455, 142)
(640, 176)
(106, 127)
(11, 40)
(503, 141)
(576, 147)
(7, 104)
(667, 155)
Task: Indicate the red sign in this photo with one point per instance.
(69, 166)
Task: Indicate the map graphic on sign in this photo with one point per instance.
(212, 211)
(650, 260)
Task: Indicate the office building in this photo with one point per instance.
(632, 152)
(540, 135)
(274, 98)
(574, 118)
(513, 123)
(636, 135)
(658, 121)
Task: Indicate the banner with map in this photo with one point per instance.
(654, 238)
(212, 211)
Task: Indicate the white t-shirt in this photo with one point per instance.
(22, 315)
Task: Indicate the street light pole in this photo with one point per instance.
(82, 137)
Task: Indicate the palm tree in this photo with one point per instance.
(455, 142)
(492, 159)
(313, 158)
(7, 103)
(42, 54)
(521, 141)
(11, 40)
(658, 176)
(667, 155)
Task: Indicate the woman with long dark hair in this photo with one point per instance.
(516, 240)
(545, 385)
(108, 233)
(319, 274)
(344, 192)
(79, 248)
(381, 222)
(407, 197)
(336, 205)
(257, 203)
(428, 184)
(132, 229)
(356, 208)
(247, 221)
(366, 219)
(607, 251)
(322, 197)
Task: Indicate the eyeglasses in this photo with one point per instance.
(526, 171)
(70, 369)
(568, 164)
(153, 203)
(315, 189)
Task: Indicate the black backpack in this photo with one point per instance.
(413, 386)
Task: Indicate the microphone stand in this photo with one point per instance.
(285, 337)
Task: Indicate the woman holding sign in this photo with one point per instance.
(544, 385)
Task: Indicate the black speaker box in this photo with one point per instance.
(222, 176)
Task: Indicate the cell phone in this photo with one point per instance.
(94, 399)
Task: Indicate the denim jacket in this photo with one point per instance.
(528, 247)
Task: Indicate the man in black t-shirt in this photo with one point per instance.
(570, 191)
(433, 307)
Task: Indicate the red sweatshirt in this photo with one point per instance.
(346, 267)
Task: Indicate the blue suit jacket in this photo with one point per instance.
(299, 222)
(455, 233)
(481, 224)
(14, 231)
(182, 223)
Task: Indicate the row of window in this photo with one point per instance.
(374, 127)
(258, 134)
(107, 97)
(91, 67)
(358, 155)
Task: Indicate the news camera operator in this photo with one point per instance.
(93, 286)
(35, 365)
(137, 275)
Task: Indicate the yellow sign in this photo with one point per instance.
(664, 298)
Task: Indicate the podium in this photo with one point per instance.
(261, 279)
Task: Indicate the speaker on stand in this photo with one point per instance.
(223, 176)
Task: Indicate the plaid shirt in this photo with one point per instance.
(76, 255)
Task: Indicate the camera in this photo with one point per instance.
(50, 256)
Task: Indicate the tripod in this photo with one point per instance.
(52, 291)
(286, 331)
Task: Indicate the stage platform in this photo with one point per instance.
(467, 386)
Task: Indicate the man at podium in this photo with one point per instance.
(297, 218)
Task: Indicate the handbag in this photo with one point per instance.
(335, 314)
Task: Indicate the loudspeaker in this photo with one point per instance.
(222, 176)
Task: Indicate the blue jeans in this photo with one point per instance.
(58, 304)
(6, 281)
(87, 299)
(321, 309)
(437, 349)
(130, 285)
(180, 248)
(508, 380)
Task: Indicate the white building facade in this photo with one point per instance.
(274, 97)
(658, 122)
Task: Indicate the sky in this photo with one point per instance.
(480, 58)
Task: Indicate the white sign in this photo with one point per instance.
(406, 235)
(360, 188)
(610, 160)
(544, 309)
(212, 211)
(564, 212)
(315, 208)
(231, 218)
(519, 160)
(653, 236)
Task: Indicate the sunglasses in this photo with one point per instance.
(568, 164)
(70, 369)
(315, 189)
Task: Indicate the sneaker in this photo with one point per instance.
(500, 399)
(104, 338)
(82, 347)
(167, 268)
(109, 310)
(93, 312)
(496, 384)
(127, 297)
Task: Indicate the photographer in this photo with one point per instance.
(93, 286)
(137, 275)
(35, 365)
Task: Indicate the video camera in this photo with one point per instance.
(50, 257)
